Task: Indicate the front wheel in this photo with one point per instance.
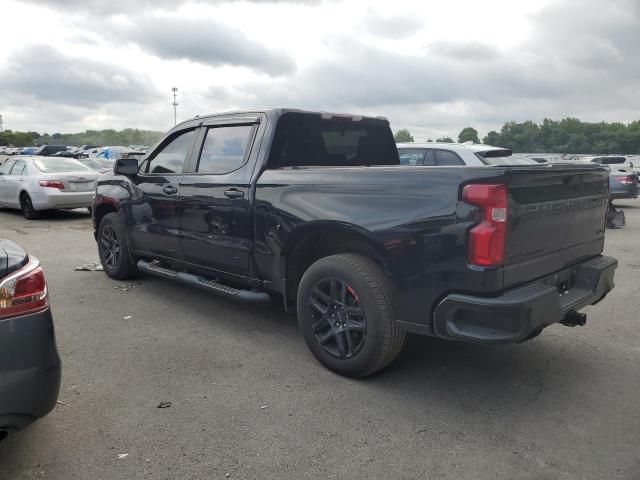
(346, 315)
(113, 247)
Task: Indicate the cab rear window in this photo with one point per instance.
(317, 140)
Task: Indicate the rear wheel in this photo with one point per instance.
(26, 205)
(113, 248)
(346, 315)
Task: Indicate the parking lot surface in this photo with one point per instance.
(249, 401)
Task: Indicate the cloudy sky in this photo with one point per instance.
(430, 66)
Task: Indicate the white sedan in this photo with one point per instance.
(33, 184)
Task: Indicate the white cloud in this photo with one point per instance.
(433, 70)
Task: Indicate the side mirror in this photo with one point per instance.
(125, 166)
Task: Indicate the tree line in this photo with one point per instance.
(568, 135)
(128, 136)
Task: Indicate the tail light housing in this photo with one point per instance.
(487, 239)
(24, 291)
(52, 184)
(628, 180)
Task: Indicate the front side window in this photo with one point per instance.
(5, 168)
(171, 157)
(224, 149)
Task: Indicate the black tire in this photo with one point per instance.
(113, 248)
(366, 350)
(26, 205)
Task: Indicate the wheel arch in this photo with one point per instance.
(99, 211)
(317, 240)
(22, 191)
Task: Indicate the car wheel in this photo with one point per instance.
(113, 247)
(346, 315)
(26, 205)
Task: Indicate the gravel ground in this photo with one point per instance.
(249, 401)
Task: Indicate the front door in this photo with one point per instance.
(13, 182)
(5, 168)
(216, 222)
(154, 204)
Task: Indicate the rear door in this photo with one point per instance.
(154, 213)
(556, 218)
(215, 196)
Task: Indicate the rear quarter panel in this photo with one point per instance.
(411, 214)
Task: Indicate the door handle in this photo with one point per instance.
(170, 190)
(234, 193)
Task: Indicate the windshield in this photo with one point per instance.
(59, 165)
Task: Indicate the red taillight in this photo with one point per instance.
(24, 291)
(627, 180)
(52, 184)
(487, 239)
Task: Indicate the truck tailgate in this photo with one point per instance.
(556, 219)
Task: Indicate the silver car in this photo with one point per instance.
(33, 184)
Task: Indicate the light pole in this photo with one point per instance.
(175, 105)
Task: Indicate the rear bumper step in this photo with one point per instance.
(521, 313)
(212, 286)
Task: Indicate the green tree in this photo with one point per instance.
(444, 140)
(468, 134)
(403, 135)
(492, 138)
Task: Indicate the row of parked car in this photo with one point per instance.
(95, 157)
(624, 171)
(56, 177)
(66, 179)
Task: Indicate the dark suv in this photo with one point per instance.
(48, 150)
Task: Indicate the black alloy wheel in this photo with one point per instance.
(340, 324)
(345, 312)
(113, 247)
(110, 247)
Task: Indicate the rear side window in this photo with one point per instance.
(224, 149)
(315, 140)
(172, 156)
(18, 168)
(411, 156)
(447, 158)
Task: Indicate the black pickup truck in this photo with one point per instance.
(315, 209)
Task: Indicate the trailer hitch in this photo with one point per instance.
(575, 319)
